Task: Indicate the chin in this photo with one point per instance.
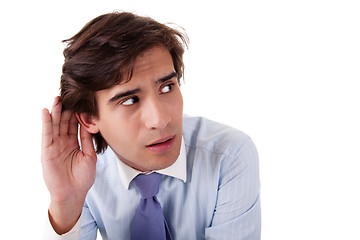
(162, 162)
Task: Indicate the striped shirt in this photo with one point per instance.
(211, 192)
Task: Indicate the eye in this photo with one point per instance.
(130, 101)
(167, 88)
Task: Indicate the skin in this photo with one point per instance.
(133, 117)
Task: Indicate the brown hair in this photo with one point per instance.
(103, 53)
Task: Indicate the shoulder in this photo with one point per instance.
(200, 132)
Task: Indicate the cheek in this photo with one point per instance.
(114, 131)
(121, 139)
(177, 103)
(180, 108)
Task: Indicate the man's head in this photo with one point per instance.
(121, 76)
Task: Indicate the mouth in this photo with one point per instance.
(161, 145)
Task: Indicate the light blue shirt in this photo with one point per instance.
(212, 191)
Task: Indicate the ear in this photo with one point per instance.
(88, 122)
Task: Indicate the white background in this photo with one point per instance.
(285, 72)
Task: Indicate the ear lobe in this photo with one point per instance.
(87, 122)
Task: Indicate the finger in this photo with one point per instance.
(73, 125)
(64, 122)
(55, 116)
(46, 137)
(87, 143)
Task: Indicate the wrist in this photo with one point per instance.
(64, 215)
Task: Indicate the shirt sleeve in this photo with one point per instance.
(237, 212)
(88, 224)
(73, 234)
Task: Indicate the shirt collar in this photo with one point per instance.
(177, 170)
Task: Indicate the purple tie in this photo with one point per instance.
(149, 221)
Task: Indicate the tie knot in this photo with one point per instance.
(148, 185)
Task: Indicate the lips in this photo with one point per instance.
(161, 145)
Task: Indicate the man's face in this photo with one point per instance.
(141, 120)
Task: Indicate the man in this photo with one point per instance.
(121, 84)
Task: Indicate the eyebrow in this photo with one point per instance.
(137, 90)
(167, 77)
(123, 94)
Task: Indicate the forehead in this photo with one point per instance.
(155, 59)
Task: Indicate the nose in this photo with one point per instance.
(155, 115)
